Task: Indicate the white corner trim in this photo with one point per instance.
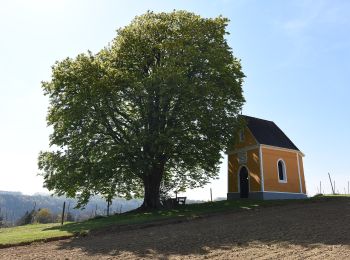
(261, 169)
(282, 149)
(301, 188)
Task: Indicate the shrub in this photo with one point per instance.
(44, 216)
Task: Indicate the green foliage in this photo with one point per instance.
(154, 108)
(44, 216)
(328, 196)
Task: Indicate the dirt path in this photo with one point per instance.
(319, 230)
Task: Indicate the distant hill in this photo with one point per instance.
(13, 205)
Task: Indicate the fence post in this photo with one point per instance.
(330, 180)
(63, 209)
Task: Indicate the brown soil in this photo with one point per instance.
(317, 230)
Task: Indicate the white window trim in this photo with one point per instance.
(285, 179)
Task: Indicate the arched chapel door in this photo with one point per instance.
(244, 182)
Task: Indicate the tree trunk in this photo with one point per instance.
(108, 205)
(151, 184)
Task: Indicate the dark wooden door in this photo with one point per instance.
(243, 182)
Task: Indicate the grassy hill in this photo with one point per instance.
(39, 232)
(314, 227)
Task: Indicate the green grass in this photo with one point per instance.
(331, 195)
(36, 232)
(28, 233)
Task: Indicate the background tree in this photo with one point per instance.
(27, 218)
(157, 105)
(44, 216)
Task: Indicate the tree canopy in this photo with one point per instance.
(152, 109)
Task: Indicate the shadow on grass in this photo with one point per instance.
(143, 218)
(307, 223)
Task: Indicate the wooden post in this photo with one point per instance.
(211, 195)
(330, 180)
(320, 188)
(68, 208)
(63, 209)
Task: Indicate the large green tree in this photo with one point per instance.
(152, 109)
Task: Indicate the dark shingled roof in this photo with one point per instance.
(267, 132)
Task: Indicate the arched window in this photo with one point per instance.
(282, 173)
(241, 135)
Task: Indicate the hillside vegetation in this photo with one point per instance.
(13, 205)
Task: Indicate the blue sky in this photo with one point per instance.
(295, 54)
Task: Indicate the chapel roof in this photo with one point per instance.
(268, 133)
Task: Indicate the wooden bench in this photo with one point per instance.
(181, 200)
(173, 202)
